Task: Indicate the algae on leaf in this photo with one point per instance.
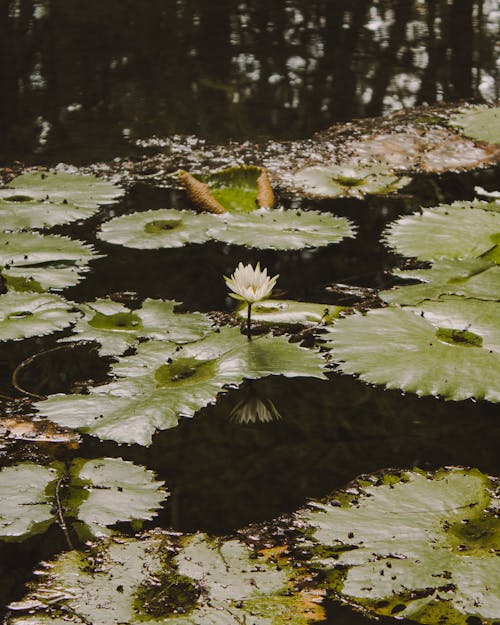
(412, 545)
(164, 381)
(482, 123)
(449, 348)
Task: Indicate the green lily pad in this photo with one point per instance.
(348, 181)
(33, 314)
(196, 581)
(280, 311)
(94, 494)
(457, 231)
(477, 279)
(412, 545)
(32, 261)
(117, 328)
(235, 188)
(281, 229)
(450, 348)
(482, 123)
(155, 229)
(164, 381)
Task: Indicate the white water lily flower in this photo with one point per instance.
(250, 285)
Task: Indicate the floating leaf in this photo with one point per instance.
(33, 314)
(453, 350)
(482, 123)
(456, 231)
(198, 581)
(347, 181)
(96, 494)
(476, 279)
(155, 229)
(117, 328)
(164, 381)
(280, 311)
(281, 229)
(31, 261)
(412, 545)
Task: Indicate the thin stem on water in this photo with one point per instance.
(249, 321)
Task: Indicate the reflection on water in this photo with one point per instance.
(81, 79)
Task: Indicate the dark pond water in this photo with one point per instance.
(81, 81)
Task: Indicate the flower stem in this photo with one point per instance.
(249, 321)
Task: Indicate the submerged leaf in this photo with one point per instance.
(281, 229)
(449, 348)
(412, 545)
(280, 311)
(117, 328)
(33, 314)
(31, 261)
(163, 382)
(482, 123)
(460, 230)
(348, 181)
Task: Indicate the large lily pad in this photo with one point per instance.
(163, 382)
(33, 314)
(481, 123)
(31, 261)
(95, 494)
(478, 279)
(449, 348)
(460, 230)
(280, 311)
(117, 328)
(348, 181)
(196, 581)
(281, 229)
(412, 545)
(154, 229)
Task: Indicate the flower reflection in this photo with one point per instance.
(254, 409)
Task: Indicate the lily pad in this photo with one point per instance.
(348, 181)
(482, 123)
(117, 328)
(280, 311)
(32, 261)
(163, 382)
(450, 349)
(33, 314)
(196, 581)
(155, 229)
(412, 545)
(281, 229)
(477, 279)
(95, 494)
(457, 231)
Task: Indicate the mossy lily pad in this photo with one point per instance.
(164, 381)
(281, 229)
(412, 545)
(117, 327)
(193, 581)
(477, 279)
(456, 231)
(36, 262)
(482, 123)
(94, 494)
(280, 311)
(33, 314)
(45, 199)
(347, 181)
(449, 348)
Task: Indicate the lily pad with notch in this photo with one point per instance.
(164, 381)
(481, 123)
(449, 348)
(276, 311)
(409, 544)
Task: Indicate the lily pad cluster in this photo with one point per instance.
(445, 340)
(263, 229)
(164, 381)
(93, 494)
